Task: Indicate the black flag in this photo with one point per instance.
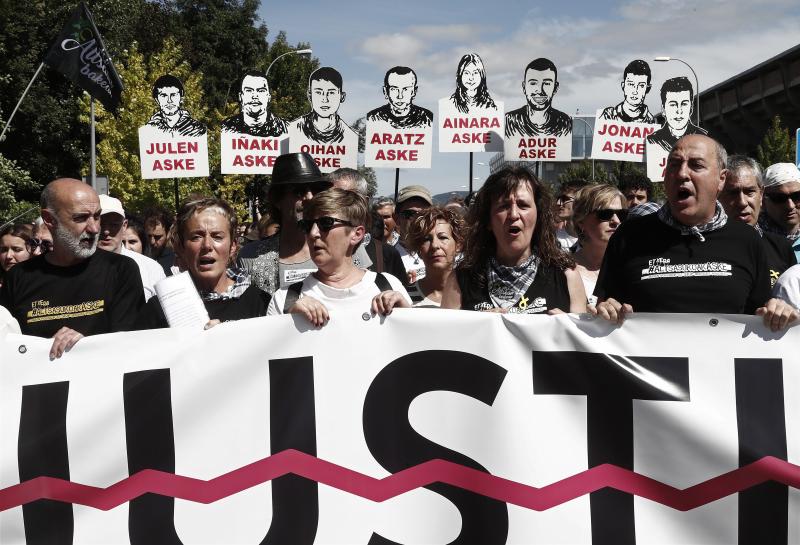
(79, 54)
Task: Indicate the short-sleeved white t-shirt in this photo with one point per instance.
(356, 299)
(787, 288)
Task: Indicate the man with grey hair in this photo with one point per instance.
(373, 253)
(688, 257)
(741, 198)
(782, 203)
(73, 291)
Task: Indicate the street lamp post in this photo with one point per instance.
(297, 51)
(696, 82)
(589, 128)
(257, 189)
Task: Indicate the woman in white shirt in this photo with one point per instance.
(334, 222)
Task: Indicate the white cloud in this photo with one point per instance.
(456, 32)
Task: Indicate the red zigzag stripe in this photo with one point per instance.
(378, 490)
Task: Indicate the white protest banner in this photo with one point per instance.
(473, 131)
(537, 131)
(399, 133)
(172, 144)
(164, 156)
(470, 119)
(249, 154)
(321, 132)
(619, 140)
(327, 156)
(538, 148)
(656, 157)
(528, 430)
(388, 147)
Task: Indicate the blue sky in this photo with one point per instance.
(590, 43)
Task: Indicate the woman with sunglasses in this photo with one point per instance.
(597, 212)
(15, 247)
(205, 246)
(334, 223)
(512, 262)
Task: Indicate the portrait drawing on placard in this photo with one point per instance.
(171, 118)
(537, 116)
(677, 101)
(400, 112)
(472, 92)
(323, 124)
(254, 117)
(636, 83)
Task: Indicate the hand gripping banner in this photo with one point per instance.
(430, 426)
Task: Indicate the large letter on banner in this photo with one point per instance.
(429, 426)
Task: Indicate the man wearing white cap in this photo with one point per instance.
(112, 229)
(782, 203)
(411, 200)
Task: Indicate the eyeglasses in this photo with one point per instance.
(325, 224)
(45, 245)
(781, 198)
(605, 214)
(409, 214)
(300, 190)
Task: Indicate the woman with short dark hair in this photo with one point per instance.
(512, 262)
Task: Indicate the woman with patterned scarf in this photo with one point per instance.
(205, 246)
(512, 261)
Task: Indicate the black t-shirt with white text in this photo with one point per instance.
(655, 268)
(102, 294)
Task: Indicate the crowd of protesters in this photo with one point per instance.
(726, 240)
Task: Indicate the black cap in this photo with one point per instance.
(296, 168)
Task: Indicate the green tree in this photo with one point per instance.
(221, 38)
(777, 146)
(118, 147)
(13, 179)
(45, 138)
(583, 171)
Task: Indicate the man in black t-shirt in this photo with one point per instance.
(74, 290)
(741, 198)
(688, 257)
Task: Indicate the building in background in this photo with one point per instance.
(738, 111)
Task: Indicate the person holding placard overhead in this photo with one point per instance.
(512, 262)
(205, 243)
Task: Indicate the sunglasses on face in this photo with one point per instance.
(34, 243)
(605, 214)
(781, 198)
(409, 214)
(325, 224)
(300, 190)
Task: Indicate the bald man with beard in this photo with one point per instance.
(73, 291)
